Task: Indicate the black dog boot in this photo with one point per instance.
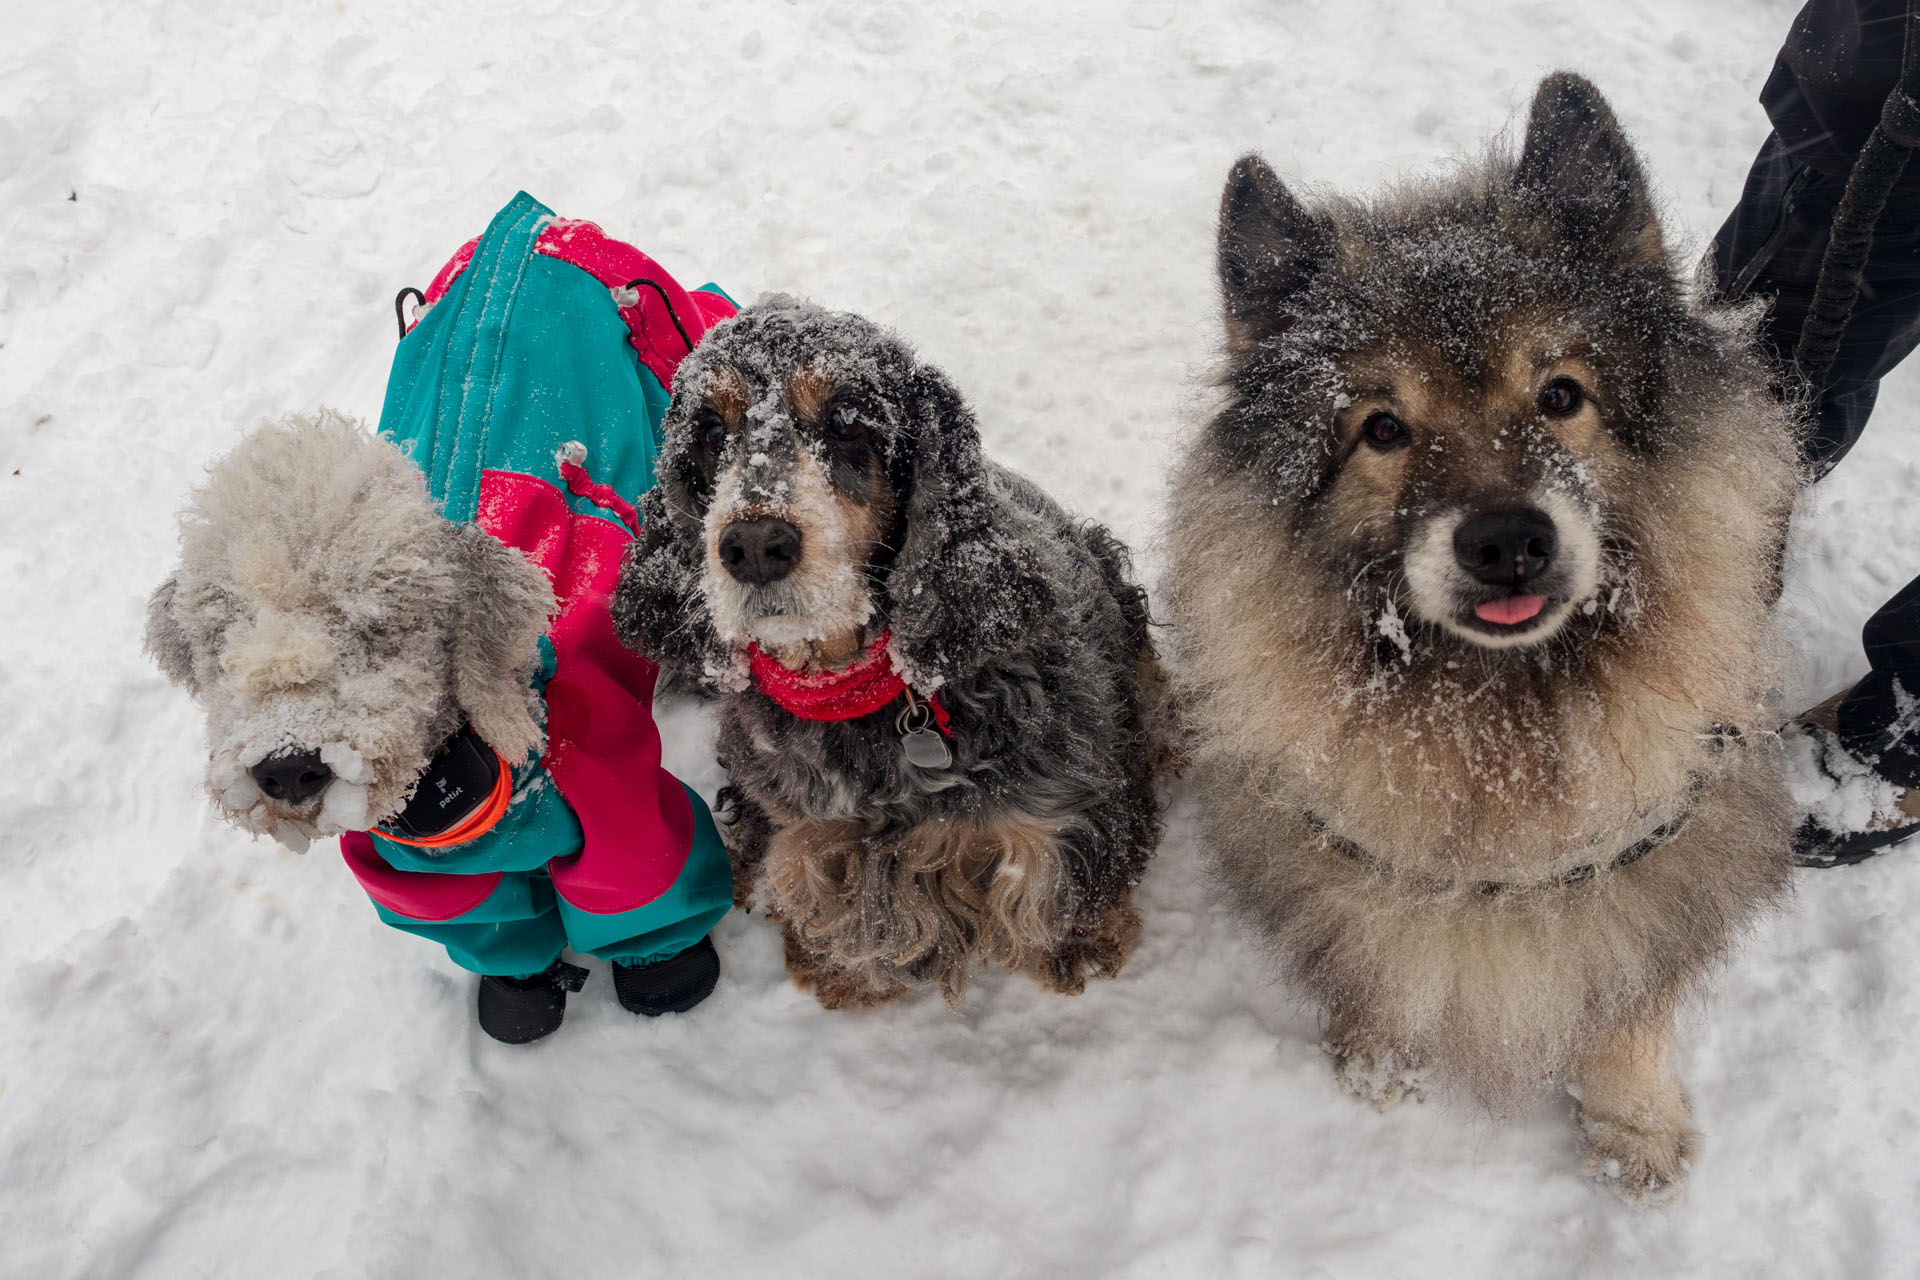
(522, 1010)
(673, 985)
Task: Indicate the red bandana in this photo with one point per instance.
(860, 688)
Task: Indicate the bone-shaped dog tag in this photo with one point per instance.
(922, 745)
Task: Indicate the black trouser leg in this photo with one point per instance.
(1880, 717)
(1771, 247)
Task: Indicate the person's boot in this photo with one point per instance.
(1851, 811)
(522, 1010)
(673, 985)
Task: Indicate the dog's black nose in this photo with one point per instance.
(292, 778)
(760, 551)
(1505, 548)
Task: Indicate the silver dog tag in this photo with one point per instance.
(926, 749)
(922, 745)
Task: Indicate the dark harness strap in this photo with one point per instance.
(1653, 840)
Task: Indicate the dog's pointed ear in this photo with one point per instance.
(1578, 170)
(1270, 247)
(659, 611)
(502, 605)
(965, 585)
(166, 640)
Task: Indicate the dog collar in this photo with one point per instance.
(858, 689)
(461, 796)
(1639, 849)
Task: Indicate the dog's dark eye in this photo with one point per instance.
(710, 431)
(1383, 431)
(1561, 397)
(844, 423)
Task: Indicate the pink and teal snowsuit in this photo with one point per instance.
(530, 339)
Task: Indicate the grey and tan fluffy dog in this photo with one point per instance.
(1473, 574)
(336, 629)
(821, 488)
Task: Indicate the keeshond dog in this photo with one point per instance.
(1474, 574)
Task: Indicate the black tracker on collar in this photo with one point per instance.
(457, 781)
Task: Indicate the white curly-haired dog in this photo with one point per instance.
(337, 629)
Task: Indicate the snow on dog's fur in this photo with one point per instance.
(323, 604)
(1394, 713)
(824, 429)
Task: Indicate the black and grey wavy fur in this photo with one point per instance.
(1026, 622)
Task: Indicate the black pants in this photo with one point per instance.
(1771, 246)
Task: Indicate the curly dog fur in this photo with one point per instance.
(322, 603)
(885, 875)
(1393, 369)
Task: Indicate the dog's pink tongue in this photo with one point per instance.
(1514, 609)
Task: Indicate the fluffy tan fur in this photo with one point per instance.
(1331, 704)
(1632, 1109)
(945, 894)
(1503, 994)
(1276, 670)
(1508, 993)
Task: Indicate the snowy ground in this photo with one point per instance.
(214, 1061)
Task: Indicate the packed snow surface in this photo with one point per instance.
(215, 1061)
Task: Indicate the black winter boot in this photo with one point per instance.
(673, 985)
(522, 1010)
(1850, 808)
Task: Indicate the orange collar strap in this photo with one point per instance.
(483, 819)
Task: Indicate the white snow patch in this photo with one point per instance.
(345, 762)
(216, 1060)
(1391, 626)
(343, 808)
(1837, 788)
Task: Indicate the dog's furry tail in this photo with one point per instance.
(1160, 716)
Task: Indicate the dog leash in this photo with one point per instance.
(1659, 836)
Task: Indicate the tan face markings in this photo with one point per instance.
(1434, 404)
(808, 391)
(1470, 444)
(1380, 385)
(858, 530)
(815, 615)
(1578, 430)
(728, 395)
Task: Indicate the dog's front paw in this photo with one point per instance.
(1381, 1076)
(1101, 955)
(1062, 974)
(1644, 1159)
(834, 988)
